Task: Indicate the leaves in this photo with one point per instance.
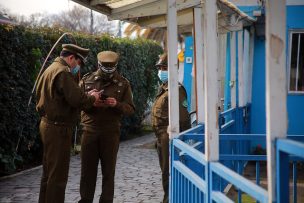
(22, 54)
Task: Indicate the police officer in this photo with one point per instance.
(58, 100)
(101, 127)
(160, 120)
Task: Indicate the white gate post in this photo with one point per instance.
(172, 68)
(199, 71)
(276, 85)
(211, 81)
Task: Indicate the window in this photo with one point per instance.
(296, 61)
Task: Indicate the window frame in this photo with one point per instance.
(290, 33)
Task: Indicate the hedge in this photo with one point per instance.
(23, 51)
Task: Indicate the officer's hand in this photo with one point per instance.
(110, 101)
(91, 91)
(96, 94)
(100, 103)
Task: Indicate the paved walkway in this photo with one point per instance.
(137, 179)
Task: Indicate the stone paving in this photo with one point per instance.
(137, 180)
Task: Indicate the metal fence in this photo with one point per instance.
(194, 180)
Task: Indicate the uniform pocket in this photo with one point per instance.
(161, 112)
(88, 86)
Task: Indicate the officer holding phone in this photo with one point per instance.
(101, 126)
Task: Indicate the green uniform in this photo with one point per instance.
(58, 100)
(100, 138)
(160, 122)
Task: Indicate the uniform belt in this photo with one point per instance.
(46, 120)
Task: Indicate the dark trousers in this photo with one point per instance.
(56, 141)
(163, 156)
(97, 146)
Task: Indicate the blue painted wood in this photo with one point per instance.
(193, 159)
(220, 197)
(209, 176)
(282, 170)
(257, 174)
(239, 181)
(239, 171)
(237, 157)
(195, 154)
(188, 69)
(294, 101)
(290, 147)
(227, 89)
(192, 177)
(294, 168)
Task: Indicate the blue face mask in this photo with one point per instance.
(75, 70)
(163, 75)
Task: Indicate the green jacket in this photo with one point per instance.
(160, 109)
(102, 118)
(59, 98)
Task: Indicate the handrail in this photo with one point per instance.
(220, 197)
(227, 124)
(231, 110)
(246, 185)
(195, 154)
(196, 180)
(284, 149)
(240, 137)
(291, 147)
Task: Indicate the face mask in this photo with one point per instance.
(163, 75)
(75, 70)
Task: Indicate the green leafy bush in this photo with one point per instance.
(22, 53)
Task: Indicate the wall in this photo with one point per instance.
(295, 102)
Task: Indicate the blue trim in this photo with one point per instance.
(220, 197)
(188, 69)
(282, 170)
(291, 147)
(195, 154)
(294, 168)
(285, 148)
(195, 179)
(239, 181)
(227, 93)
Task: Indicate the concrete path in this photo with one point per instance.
(137, 180)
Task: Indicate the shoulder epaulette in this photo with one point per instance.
(124, 78)
(86, 75)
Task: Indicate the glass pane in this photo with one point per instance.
(301, 65)
(293, 61)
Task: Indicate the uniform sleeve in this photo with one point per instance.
(184, 119)
(81, 84)
(182, 97)
(73, 94)
(126, 106)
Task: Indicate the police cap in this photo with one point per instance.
(107, 57)
(107, 61)
(82, 53)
